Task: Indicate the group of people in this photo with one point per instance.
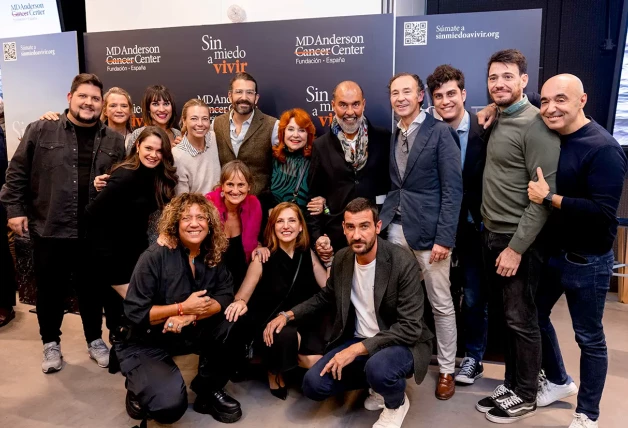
(249, 239)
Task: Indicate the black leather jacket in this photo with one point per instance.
(42, 178)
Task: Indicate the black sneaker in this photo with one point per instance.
(511, 409)
(470, 370)
(220, 405)
(488, 403)
(133, 407)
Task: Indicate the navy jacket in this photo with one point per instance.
(472, 172)
(430, 193)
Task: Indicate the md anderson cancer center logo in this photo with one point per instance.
(26, 11)
(331, 49)
(134, 58)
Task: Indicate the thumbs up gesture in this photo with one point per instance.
(538, 190)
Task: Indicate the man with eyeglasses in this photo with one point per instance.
(247, 134)
(421, 210)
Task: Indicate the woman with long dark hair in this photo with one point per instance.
(119, 216)
(158, 109)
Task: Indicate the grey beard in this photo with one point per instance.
(347, 129)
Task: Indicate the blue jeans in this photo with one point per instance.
(475, 300)
(385, 372)
(585, 286)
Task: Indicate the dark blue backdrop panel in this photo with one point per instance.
(296, 63)
(467, 41)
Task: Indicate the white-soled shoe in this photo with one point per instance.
(550, 392)
(53, 359)
(99, 352)
(374, 401)
(580, 420)
(393, 418)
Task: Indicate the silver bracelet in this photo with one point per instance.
(285, 315)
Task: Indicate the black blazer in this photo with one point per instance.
(472, 172)
(399, 303)
(430, 192)
(331, 177)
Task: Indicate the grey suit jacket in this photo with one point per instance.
(399, 303)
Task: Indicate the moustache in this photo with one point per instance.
(247, 102)
(358, 241)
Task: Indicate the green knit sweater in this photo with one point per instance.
(519, 143)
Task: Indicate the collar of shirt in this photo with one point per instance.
(187, 147)
(516, 106)
(415, 123)
(464, 124)
(246, 122)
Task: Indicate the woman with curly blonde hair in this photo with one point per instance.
(171, 305)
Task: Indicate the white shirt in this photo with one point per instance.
(415, 123)
(236, 140)
(363, 299)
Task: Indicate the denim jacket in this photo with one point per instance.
(42, 178)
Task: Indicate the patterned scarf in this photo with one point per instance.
(358, 156)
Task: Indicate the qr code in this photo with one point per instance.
(10, 51)
(415, 33)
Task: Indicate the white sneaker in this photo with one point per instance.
(393, 418)
(550, 392)
(99, 352)
(374, 401)
(580, 420)
(53, 359)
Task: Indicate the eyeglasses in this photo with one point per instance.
(404, 141)
(199, 218)
(248, 92)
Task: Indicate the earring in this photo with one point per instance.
(222, 194)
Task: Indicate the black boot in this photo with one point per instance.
(220, 405)
(133, 407)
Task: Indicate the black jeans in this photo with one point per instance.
(155, 379)
(60, 264)
(8, 285)
(523, 338)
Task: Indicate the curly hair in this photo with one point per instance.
(303, 120)
(443, 74)
(303, 239)
(216, 241)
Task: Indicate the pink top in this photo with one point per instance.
(250, 216)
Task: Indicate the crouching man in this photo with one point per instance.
(174, 306)
(379, 337)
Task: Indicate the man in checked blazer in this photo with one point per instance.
(379, 337)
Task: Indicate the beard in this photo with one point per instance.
(368, 246)
(87, 120)
(515, 96)
(243, 107)
(350, 128)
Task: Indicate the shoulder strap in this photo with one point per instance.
(274, 312)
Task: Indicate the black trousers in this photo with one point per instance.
(8, 285)
(154, 378)
(60, 265)
(523, 336)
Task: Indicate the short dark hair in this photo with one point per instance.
(443, 74)
(362, 204)
(86, 78)
(243, 76)
(416, 78)
(510, 56)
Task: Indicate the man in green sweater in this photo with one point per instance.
(519, 143)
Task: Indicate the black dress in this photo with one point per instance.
(275, 293)
(235, 261)
(118, 222)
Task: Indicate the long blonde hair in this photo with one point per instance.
(117, 91)
(194, 102)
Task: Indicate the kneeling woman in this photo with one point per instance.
(173, 305)
(291, 275)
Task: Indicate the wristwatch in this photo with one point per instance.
(547, 200)
(285, 315)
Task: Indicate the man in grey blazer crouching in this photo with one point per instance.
(379, 337)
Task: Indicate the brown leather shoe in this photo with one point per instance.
(6, 315)
(446, 387)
